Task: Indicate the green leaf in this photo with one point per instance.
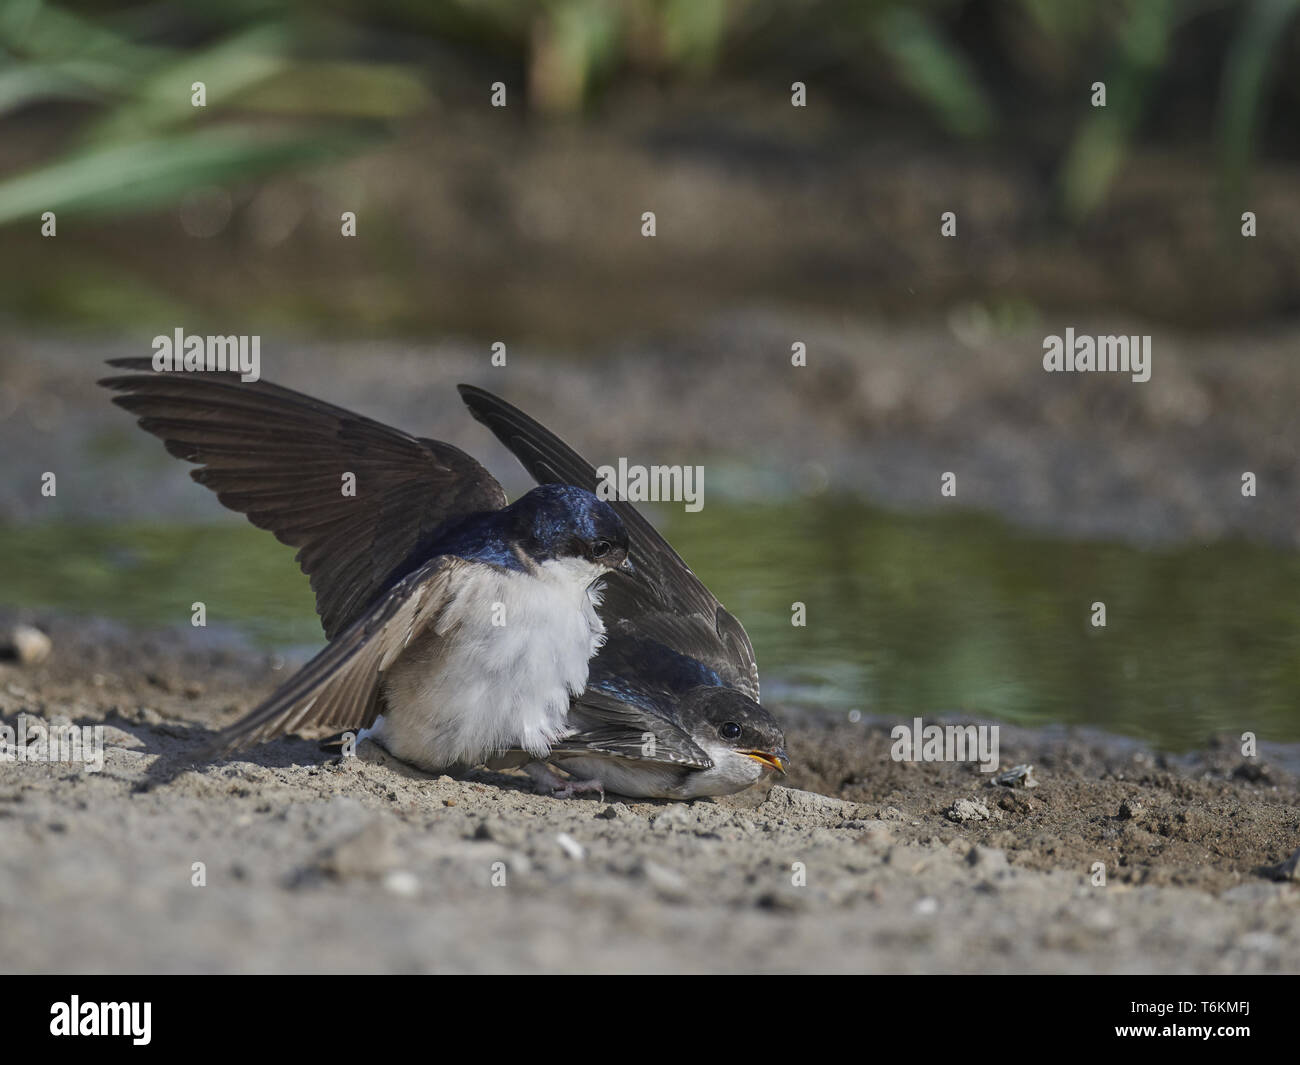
(1101, 141)
(935, 70)
(149, 174)
(1244, 76)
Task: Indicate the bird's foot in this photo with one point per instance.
(569, 788)
(548, 782)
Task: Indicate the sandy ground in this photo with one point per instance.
(314, 864)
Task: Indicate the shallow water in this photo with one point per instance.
(906, 615)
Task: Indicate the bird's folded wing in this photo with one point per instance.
(340, 687)
(606, 725)
(280, 458)
(665, 601)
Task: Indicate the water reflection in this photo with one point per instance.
(904, 614)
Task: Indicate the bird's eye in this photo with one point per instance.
(729, 731)
(600, 549)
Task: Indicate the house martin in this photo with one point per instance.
(671, 704)
(459, 626)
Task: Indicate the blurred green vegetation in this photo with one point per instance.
(924, 615)
(292, 82)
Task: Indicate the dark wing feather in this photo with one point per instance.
(278, 457)
(604, 724)
(665, 601)
(340, 687)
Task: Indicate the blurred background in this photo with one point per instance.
(775, 225)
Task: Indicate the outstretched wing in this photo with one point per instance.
(280, 457)
(665, 601)
(340, 687)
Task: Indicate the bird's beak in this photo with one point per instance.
(777, 759)
(626, 567)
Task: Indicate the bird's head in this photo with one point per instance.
(742, 739)
(572, 529)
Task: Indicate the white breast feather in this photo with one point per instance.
(474, 688)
